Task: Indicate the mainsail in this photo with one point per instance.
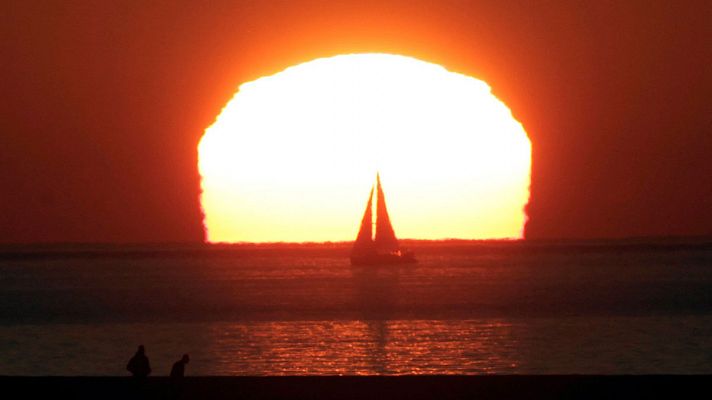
(385, 241)
(364, 240)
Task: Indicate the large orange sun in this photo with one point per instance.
(292, 157)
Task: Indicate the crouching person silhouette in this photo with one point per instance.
(177, 374)
(178, 370)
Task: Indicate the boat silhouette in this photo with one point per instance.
(384, 248)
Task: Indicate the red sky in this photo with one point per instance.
(103, 104)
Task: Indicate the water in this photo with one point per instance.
(504, 308)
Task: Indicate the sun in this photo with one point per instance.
(292, 156)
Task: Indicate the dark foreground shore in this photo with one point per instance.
(374, 387)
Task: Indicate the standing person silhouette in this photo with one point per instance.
(138, 364)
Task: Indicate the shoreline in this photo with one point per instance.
(361, 387)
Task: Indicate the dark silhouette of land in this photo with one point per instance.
(30, 252)
(352, 387)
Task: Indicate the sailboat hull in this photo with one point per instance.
(383, 259)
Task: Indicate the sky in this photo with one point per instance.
(103, 104)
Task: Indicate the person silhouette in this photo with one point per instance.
(178, 370)
(138, 364)
(177, 374)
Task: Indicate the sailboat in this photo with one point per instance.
(384, 248)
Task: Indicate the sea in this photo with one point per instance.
(483, 307)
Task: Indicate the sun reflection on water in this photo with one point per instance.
(363, 347)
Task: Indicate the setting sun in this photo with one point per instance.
(292, 157)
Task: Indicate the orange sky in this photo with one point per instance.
(104, 103)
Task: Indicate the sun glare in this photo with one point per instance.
(292, 157)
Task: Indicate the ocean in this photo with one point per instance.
(498, 307)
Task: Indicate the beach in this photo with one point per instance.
(364, 387)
